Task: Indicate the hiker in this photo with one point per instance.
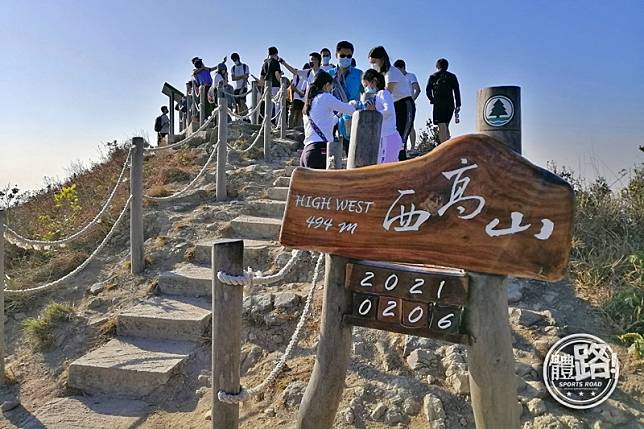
(319, 119)
(162, 126)
(239, 75)
(390, 140)
(271, 75)
(182, 107)
(346, 86)
(415, 92)
(326, 60)
(202, 78)
(443, 92)
(398, 85)
(301, 80)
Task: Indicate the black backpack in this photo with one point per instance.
(158, 124)
(442, 87)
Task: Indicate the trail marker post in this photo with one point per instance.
(222, 149)
(227, 256)
(173, 95)
(137, 256)
(268, 113)
(3, 219)
(202, 104)
(284, 109)
(254, 100)
(449, 209)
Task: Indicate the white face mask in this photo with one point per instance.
(326, 60)
(375, 66)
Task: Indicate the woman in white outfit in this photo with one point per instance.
(320, 116)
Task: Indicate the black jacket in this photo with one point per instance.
(445, 99)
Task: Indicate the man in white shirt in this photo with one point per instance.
(326, 60)
(415, 92)
(299, 85)
(239, 75)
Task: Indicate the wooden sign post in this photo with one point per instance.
(472, 203)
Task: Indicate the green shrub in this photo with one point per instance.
(40, 331)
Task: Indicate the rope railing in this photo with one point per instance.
(250, 278)
(23, 292)
(27, 243)
(258, 136)
(246, 393)
(189, 185)
(187, 139)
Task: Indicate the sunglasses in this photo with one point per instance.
(346, 55)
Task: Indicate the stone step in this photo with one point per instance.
(129, 367)
(256, 252)
(187, 279)
(282, 182)
(279, 194)
(95, 412)
(261, 228)
(267, 208)
(178, 318)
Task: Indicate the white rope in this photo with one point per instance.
(230, 94)
(244, 394)
(257, 137)
(256, 278)
(20, 292)
(189, 185)
(26, 243)
(251, 111)
(187, 139)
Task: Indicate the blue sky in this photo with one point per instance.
(78, 73)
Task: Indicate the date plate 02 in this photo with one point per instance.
(414, 300)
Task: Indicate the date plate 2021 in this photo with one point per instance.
(413, 300)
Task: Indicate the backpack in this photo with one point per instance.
(158, 124)
(442, 87)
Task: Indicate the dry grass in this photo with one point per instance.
(59, 210)
(607, 260)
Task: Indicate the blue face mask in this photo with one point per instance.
(345, 63)
(370, 90)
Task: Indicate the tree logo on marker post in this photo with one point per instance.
(580, 371)
(498, 111)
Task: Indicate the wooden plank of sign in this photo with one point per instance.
(471, 203)
(400, 329)
(412, 283)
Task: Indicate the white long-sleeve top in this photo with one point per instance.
(385, 105)
(323, 108)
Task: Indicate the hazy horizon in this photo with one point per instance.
(76, 75)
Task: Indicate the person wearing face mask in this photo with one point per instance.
(271, 75)
(390, 141)
(320, 117)
(346, 86)
(326, 60)
(399, 87)
(239, 75)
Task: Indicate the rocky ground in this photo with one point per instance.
(393, 380)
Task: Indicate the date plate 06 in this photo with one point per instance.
(407, 299)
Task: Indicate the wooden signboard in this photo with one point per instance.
(170, 91)
(422, 301)
(471, 203)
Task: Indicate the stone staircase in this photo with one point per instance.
(158, 336)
